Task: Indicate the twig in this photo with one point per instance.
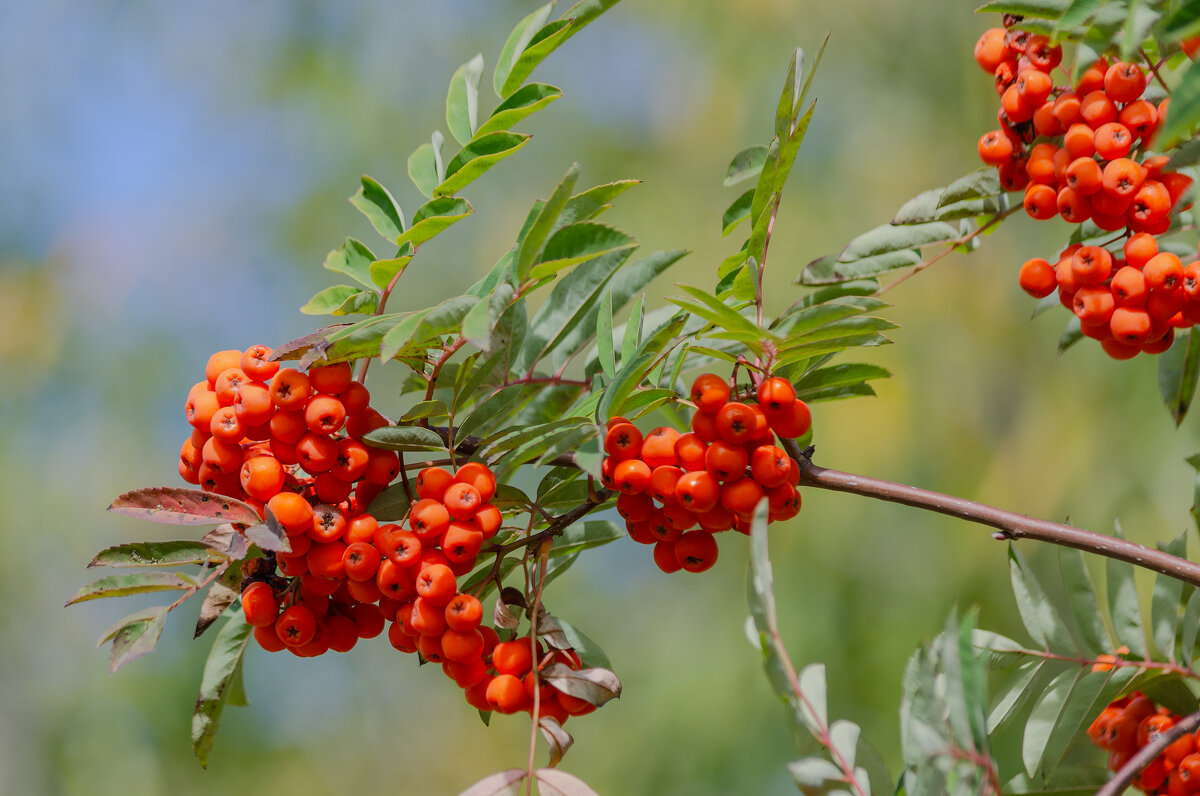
(952, 245)
(1154, 70)
(1146, 754)
(1012, 526)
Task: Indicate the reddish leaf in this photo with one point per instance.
(552, 782)
(180, 506)
(558, 739)
(595, 686)
(505, 783)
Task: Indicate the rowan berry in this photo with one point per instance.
(506, 694)
(664, 557)
(726, 461)
(696, 491)
(341, 632)
(331, 379)
(296, 626)
(741, 496)
(1164, 271)
(696, 551)
(259, 604)
(635, 507)
(709, 392)
(462, 500)
(631, 476)
(328, 523)
(704, 426)
(623, 441)
(995, 147)
(1037, 278)
(461, 541)
(268, 639)
(227, 385)
(793, 422)
(479, 476)
(464, 612)
(1124, 82)
(662, 482)
(427, 619)
(658, 448)
(253, 405)
(436, 584)
(432, 482)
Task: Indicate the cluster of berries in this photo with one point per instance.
(256, 426)
(712, 477)
(1128, 724)
(1079, 152)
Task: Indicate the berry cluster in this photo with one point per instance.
(712, 477)
(1128, 724)
(1079, 152)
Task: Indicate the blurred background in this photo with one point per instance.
(173, 176)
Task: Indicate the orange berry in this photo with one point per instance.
(462, 500)
(696, 551)
(727, 462)
(1037, 278)
(262, 477)
(623, 441)
(664, 557)
(697, 491)
(290, 389)
(220, 362)
(479, 476)
(631, 476)
(709, 392)
(432, 482)
(741, 496)
(324, 414)
(1124, 82)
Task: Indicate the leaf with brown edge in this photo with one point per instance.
(136, 583)
(594, 686)
(134, 636)
(558, 739)
(228, 540)
(220, 684)
(503, 783)
(220, 596)
(181, 506)
(553, 782)
(294, 349)
(157, 554)
(269, 535)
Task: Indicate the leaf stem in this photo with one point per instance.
(952, 245)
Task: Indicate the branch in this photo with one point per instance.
(1145, 755)
(1012, 526)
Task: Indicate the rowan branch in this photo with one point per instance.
(1010, 525)
(1146, 754)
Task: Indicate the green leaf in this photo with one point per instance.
(332, 300)
(719, 314)
(1044, 9)
(1085, 605)
(633, 329)
(1188, 154)
(516, 43)
(405, 438)
(354, 260)
(1184, 115)
(384, 272)
(1065, 782)
(364, 302)
(136, 583)
(802, 322)
(579, 243)
(926, 207)
(746, 164)
(890, 238)
(423, 326)
(604, 337)
(462, 100)
(592, 202)
(157, 554)
(1015, 694)
(220, 683)
(764, 188)
(134, 636)
(1178, 371)
(828, 269)
(355, 341)
(785, 111)
(484, 318)
(479, 155)
(760, 591)
(391, 505)
(790, 148)
(1191, 628)
(581, 536)
(426, 409)
(1182, 21)
(533, 239)
(433, 217)
(425, 165)
(182, 506)
(525, 101)
(1037, 613)
(589, 651)
(546, 40)
(1165, 603)
(1078, 14)
(843, 375)
(493, 408)
(628, 377)
(1071, 335)
(736, 213)
(1123, 606)
(978, 184)
(377, 204)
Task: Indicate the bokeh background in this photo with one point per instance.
(173, 175)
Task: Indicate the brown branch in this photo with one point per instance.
(1146, 754)
(1012, 526)
(1118, 663)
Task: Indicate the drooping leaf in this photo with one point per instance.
(595, 686)
(219, 683)
(223, 593)
(891, 238)
(1037, 612)
(828, 269)
(134, 636)
(425, 165)
(1178, 372)
(182, 506)
(462, 100)
(433, 217)
(157, 554)
(926, 207)
(1014, 694)
(380, 207)
(1085, 605)
(978, 184)
(1123, 605)
(525, 101)
(1165, 603)
(135, 583)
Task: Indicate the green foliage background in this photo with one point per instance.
(174, 177)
